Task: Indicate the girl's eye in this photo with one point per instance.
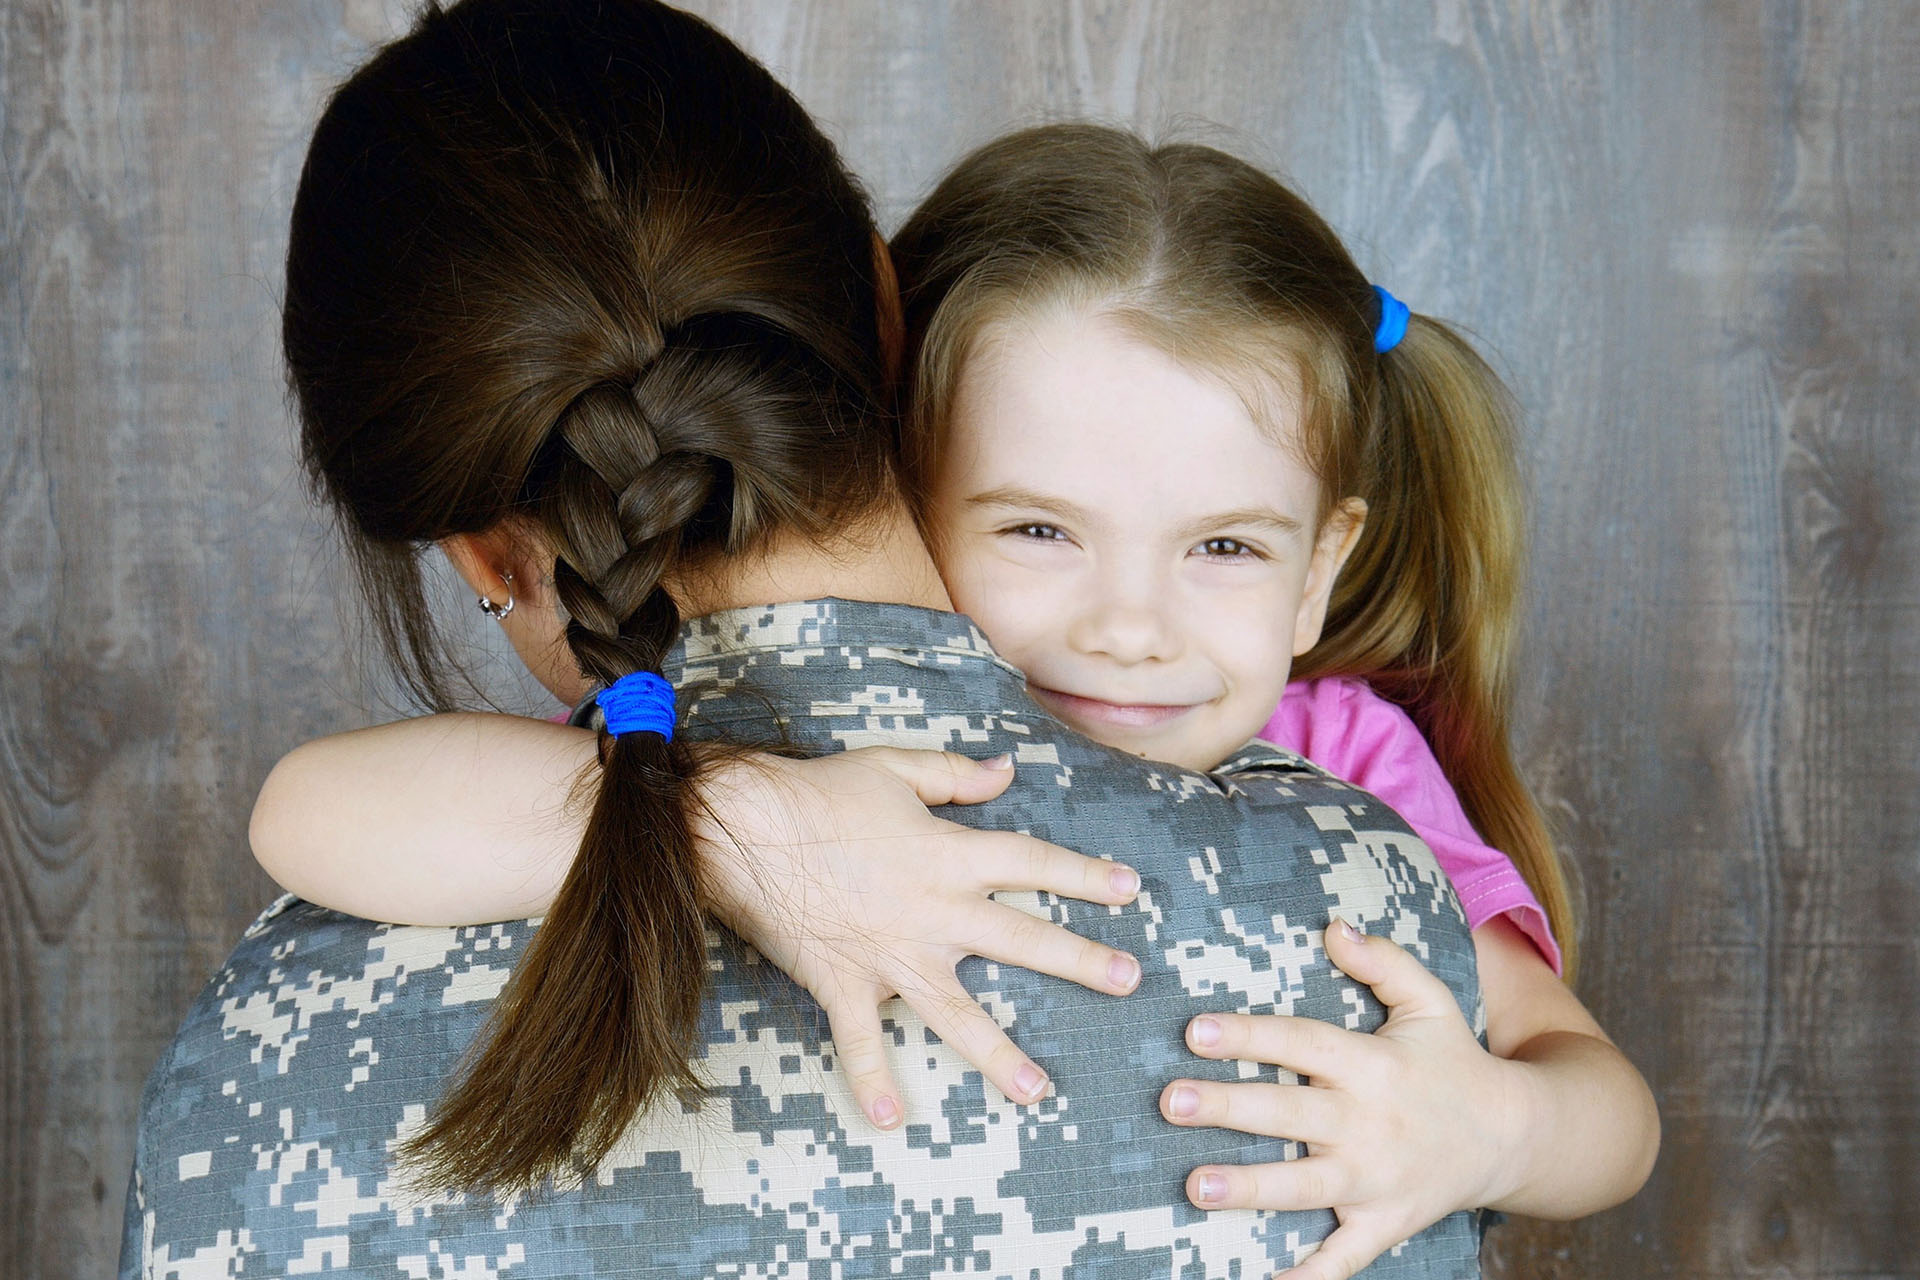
(1227, 548)
(1043, 532)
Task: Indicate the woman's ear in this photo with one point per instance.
(887, 310)
(505, 562)
(533, 625)
(477, 559)
(1338, 536)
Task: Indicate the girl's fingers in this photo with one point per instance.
(861, 1047)
(1312, 1182)
(1006, 860)
(1305, 1046)
(951, 1013)
(940, 777)
(1016, 938)
(994, 860)
(1396, 975)
(1293, 1111)
(1341, 1255)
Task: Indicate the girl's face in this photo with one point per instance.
(1127, 535)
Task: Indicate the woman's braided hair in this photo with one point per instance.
(585, 266)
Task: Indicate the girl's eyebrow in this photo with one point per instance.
(1262, 517)
(1240, 517)
(1028, 500)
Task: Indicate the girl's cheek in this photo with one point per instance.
(980, 584)
(1018, 609)
(997, 565)
(1250, 624)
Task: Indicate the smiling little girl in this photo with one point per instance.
(1165, 435)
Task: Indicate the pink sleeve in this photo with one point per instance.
(1347, 729)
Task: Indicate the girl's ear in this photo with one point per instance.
(1338, 537)
(887, 309)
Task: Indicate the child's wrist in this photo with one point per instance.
(737, 791)
(1517, 1116)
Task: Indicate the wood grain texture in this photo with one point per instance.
(1684, 231)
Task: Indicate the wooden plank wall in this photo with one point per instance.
(1685, 229)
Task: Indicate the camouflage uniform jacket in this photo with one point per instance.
(267, 1128)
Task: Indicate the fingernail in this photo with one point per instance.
(1213, 1187)
(1002, 761)
(1124, 880)
(1123, 971)
(1029, 1080)
(1347, 931)
(886, 1112)
(1205, 1032)
(1184, 1103)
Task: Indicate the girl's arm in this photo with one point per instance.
(833, 867)
(450, 819)
(1582, 1129)
(1416, 1120)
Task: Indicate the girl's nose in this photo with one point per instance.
(1128, 627)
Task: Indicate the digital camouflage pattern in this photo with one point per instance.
(267, 1128)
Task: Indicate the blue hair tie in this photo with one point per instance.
(638, 703)
(1393, 322)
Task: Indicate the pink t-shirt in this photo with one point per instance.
(1346, 728)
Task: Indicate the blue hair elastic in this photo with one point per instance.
(638, 703)
(1393, 322)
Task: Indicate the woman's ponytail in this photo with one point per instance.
(585, 272)
(642, 472)
(600, 1014)
(1427, 607)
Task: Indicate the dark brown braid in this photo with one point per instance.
(584, 266)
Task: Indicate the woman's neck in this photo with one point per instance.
(882, 560)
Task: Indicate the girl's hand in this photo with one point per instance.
(833, 868)
(1402, 1127)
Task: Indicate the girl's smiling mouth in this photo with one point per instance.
(1076, 709)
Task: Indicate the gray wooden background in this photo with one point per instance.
(1686, 230)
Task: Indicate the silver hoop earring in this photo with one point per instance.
(499, 612)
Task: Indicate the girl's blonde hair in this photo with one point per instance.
(1224, 268)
